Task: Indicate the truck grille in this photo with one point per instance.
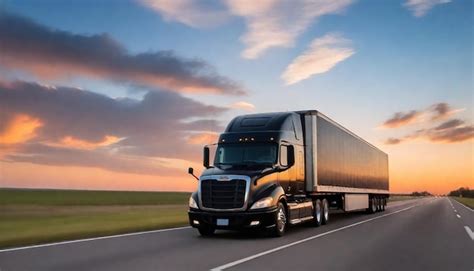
(223, 194)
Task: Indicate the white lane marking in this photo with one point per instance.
(455, 211)
(458, 216)
(465, 206)
(234, 263)
(92, 239)
(469, 232)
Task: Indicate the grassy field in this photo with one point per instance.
(39, 216)
(466, 201)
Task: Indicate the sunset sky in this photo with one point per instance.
(122, 95)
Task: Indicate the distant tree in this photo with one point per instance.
(464, 192)
(421, 194)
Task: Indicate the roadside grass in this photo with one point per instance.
(466, 201)
(29, 217)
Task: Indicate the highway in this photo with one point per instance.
(424, 234)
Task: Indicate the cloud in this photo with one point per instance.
(76, 143)
(419, 8)
(272, 23)
(243, 105)
(451, 131)
(393, 141)
(203, 138)
(49, 53)
(321, 56)
(193, 13)
(400, 119)
(83, 128)
(19, 129)
(441, 111)
(433, 113)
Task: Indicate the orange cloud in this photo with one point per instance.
(203, 138)
(243, 105)
(21, 128)
(76, 143)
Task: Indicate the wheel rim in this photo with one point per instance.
(281, 219)
(374, 206)
(326, 211)
(318, 211)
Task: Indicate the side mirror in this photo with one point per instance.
(291, 155)
(206, 157)
(191, 171)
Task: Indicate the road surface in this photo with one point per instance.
(425, 234)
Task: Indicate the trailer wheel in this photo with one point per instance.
(325, 210)
(372, 206)
(206, 231)
(384, 203)
(280, 222)
(379, 204)
(317, 213)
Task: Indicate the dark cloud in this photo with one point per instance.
(49, 53)
(449, 124)
(440, 111)
(435, 112)
(451, 131)
(157, 126)
(393, 141)
(401, 119)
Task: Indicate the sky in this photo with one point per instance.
(122, 95)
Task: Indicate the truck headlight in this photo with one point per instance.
(262, 203)
(192, 203)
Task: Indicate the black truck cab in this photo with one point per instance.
(258, 157)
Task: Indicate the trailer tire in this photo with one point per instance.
(280, 221)
(384, 203)
(206, 231)
(325, 210)
(372, 206)
(379, 204)
(317, 213)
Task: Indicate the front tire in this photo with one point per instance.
(206, 231)
(280, 221)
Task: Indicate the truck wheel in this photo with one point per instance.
(317, 213)
(372, 206)
(280, 222)
(384, 203)
(206, 230)
(379, 204)
(325, 210)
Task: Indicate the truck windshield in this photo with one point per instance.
(246, 154)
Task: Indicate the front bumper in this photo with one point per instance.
(237, 220)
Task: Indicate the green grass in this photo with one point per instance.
(39, 216)
(466, 201)
(81, 197)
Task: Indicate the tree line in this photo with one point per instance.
(464, 192)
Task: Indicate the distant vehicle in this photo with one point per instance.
(277, 169)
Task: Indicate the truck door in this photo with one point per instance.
(287, 178)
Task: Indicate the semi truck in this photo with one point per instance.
(274, 170)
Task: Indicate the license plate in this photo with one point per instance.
(222, 222)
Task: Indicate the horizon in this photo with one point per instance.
(125, 99)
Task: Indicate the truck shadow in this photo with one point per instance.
(337, 217)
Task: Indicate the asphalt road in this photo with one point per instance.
(426, 234)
